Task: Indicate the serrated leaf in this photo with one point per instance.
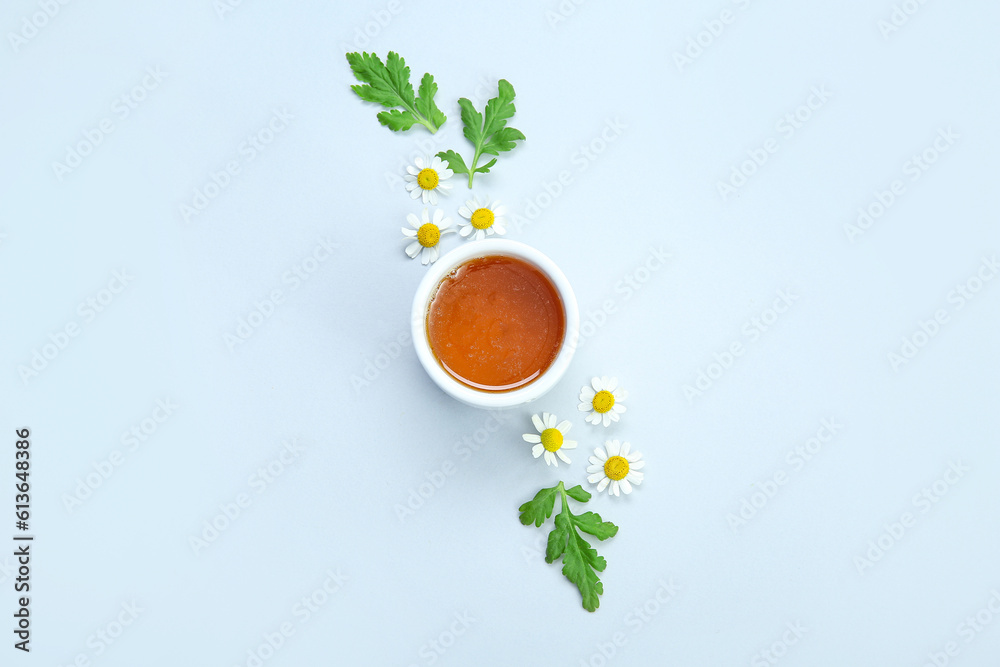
(558, 539)
(425, 101)
(472, 120)
(539, 508)
(500, 108)
(485, 169)
(389, 84)
(396, 120)
(502, 141)
(581, 562)
(591, 523)
(489, 133)
(580, 565)
(455, 161)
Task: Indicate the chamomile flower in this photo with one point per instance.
(602, 398)
(618, 468)
(425, 235)
(427, 179)
(483, 219)
(550, 439)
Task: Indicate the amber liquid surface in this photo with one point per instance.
(496, 323)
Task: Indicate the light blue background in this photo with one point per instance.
(328, 174)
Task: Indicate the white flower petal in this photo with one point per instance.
(562, 455)
(537, 421)
(420, 163)
(550, 459)
(499, 211)
(599, 453)
(537, 450)
(613, 447)
(626, 446)
(638, 465)
(596, 383)
(564, 426)
(584, 407)
(612, 384)
(445, 174)
(569, 444)
(425, 256)
(412, 171)
(415, 192)
(594, 465)
(498, 229)
(588, 392)
(480, 234)
(550, 420)
(634, 477)
(620, 395)
(532, 437)
(594, 418)
(603, 485)
(615, 488)
(464, 212)
(409, 233)
(465, 230)
(413, 249)
(596, 477)
(435, 253)
(410, 187)
(436, 163)
(431, 196)
(626, 487)
(618, 408)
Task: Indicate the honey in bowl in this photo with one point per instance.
(495, 323)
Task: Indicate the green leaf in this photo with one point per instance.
(485, 169)
(558, 539)
(425, 101)
(581, 565)
(489, 133)
(455, 161)
(581, 562)
(590, 522)
(473, 121)
(538, 509)
(396, 120)
(500, 108)
(389, 84)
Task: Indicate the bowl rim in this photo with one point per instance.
(485, 248)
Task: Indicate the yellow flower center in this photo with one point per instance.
(552, 439)
(428, 235)
(616, 467)
(427, 179)
(604, 401)
(482, 218)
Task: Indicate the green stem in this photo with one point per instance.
(565, 501)
(472, 172)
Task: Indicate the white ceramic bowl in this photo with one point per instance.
(445, 265)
